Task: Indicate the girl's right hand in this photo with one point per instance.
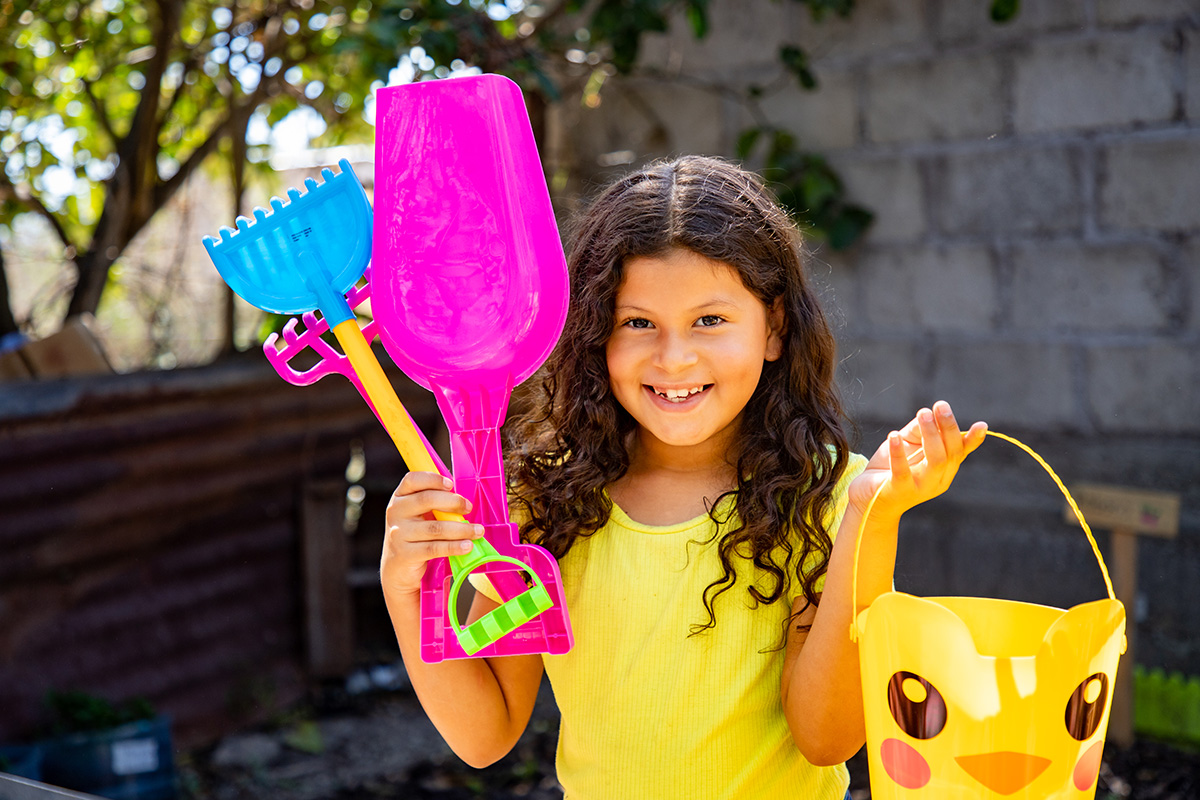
(413, 537)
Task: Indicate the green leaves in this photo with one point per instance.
(74, 711)
(697, 16)
(99, 99)
(807, 186)
(796, 61)
(820, 8)
(1005, 10)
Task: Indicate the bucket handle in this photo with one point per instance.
(1070, 501)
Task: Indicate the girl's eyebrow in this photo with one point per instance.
(716, 302)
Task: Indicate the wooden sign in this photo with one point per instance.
(1124, 509)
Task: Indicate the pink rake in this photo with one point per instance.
(297, 340)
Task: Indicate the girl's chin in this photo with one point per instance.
(684, 438)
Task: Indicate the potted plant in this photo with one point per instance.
(116, 751)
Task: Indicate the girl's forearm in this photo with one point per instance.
(822, 691)
(463, 697)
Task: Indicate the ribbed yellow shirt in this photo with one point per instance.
(649, 712)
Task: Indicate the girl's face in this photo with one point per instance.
(688, 348)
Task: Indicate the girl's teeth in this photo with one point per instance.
(679, 394)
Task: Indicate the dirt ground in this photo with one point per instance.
(374, 745)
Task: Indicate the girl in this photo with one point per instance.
(688, 466)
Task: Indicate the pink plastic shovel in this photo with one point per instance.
(469, 290)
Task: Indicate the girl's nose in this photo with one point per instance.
(675, 352)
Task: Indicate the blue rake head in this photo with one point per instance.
(304, 254)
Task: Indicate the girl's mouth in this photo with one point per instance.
(679, 396)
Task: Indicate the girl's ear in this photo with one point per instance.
(776, 330)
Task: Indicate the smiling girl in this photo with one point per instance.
(687, 464)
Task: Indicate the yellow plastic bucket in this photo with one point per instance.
(969, 697)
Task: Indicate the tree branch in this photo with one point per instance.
(548, 18)
(238, 116)
(8, 323)
(34, 204)
(101, 112)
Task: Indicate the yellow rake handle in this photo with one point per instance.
(396, 420)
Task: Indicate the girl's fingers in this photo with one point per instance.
(440, 530)
(423, 481)
(432, 550)
(422, 503)
(951, 436)
(974, 437)
(911, 432)
(901, 474)
(931, 437)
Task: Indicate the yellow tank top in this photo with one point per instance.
(648, 711)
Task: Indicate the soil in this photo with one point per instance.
(374, 745)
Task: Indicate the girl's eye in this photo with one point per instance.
(636, 322)
(916, 705)
(1086, 706)
(708, 320)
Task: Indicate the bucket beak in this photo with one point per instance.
(1004, 772)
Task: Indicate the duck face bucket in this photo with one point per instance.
(975, 698)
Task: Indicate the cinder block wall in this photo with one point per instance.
(1035, 258)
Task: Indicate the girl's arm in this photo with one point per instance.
(821, 689)
(479, 706)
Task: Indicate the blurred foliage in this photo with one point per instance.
(107, 106)
(807, 186)
(535, 43)
(1005, 10)
(74, 711)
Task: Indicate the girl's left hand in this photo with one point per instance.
(917, 463)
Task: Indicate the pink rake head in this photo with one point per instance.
(469, 290)
(296, 340)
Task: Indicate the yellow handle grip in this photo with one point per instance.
(396, 420)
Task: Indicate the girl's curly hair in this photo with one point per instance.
(571, 444)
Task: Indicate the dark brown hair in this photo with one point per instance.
(572, 443)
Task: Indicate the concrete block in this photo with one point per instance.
(872, 28)
(959, 22)
(1152, 387)
(1150, 184)
(1191, 50)
(834, 277)
(1120, 12)
(892, 188)
(1008, 384)
(823, 119)
(1015, 189)
(740, 35)
(1113, 80)
(1168, 572)
(652, 118)
(878, 378)
(920, 289)
(1090, 288)
(951, 98)
(1189, 266)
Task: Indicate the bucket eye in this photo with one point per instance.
(916, 705)
(1086, 706)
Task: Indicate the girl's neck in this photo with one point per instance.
(666, 485)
